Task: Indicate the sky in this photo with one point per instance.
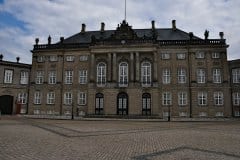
(21, 21)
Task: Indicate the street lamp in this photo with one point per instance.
(169, 113)
(72, 111)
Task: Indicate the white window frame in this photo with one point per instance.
(217, 77)
(123, 74)
(182, 114)
(166, 98)
(68, 98)
(8, 76)
(215, 55)
(182, 75)
(219, 114)
(40, 58)
(68, 76)
(37, 97)
(201, 76)
(22, 98)
(53, 58)
(52, 77)
(236, 98)
(200, 55)
(101, 74)
(202, 98)
(70, 58)
(202, 114)
(237, 113)
(218, 98)
(181, 55)
(39, 77)
(83, 76)
(165, 55)
(83, 58)
(236, 75)
(24, 76)
(146, 73)
(82, 98)
(50, 97)
(166, 76)
(182, 98)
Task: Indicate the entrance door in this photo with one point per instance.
(122, 104)
(6, 104)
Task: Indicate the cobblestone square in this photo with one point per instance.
(42, 139)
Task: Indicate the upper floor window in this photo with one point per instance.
(8, 76)
(165, 56)
(202, 98)
(182, 98)
(83, 58)
(24, 77)
(123, 74)
(201, 76)
(181, 56)
(82, 98)
(215, 55)
(83, 76)
(217, 76)
(236, 75)
(50, 98)
(218, 98)
(53, 58)
(39, 77)
(40, 58)
(166, 98)
(146, 73)
(68, 98)
(101, 73)
(37, 97)
(68, 77)
(166, 76)
(69, 58)
(181, 75)
(200, 55)
(22, 98)
(52, 77)
(236, 99)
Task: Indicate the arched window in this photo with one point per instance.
(122, 104)
(123, 74)
(101, 73)
(146, 73)
(99, 103)
(146, 104)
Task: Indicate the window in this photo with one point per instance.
(53, 58)
(37, 98)
(83, 76)
(146, 104)
(101, 73)
(215, 55)
(83, 58)
(166, 98)
(165, 56)
(22, 98)
(182, 98)
(39, 77)
(68, 77)
(122, 104)
(202, 114)
(123, 74)
(99, 103)
(50, 98)
(8, 76)
(24, 77)
(68, 98)
(236, 75)
(181, 55)
(166, 76)
(219, 114)
(52, 77)
(236, 99)
(200, 55)
(82, 98)
(69, 58)
(146, 73)
(201, 76)
(202, 98)
(182, 114)
(217, 76)
(237, 113)
(181, 75)
(218, 98)
(40, 58)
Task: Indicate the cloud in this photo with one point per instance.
(64, 18)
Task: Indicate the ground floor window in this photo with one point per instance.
(146, 104)
(99, 103)
(122, 104)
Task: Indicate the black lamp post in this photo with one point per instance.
(72, 111)
(169, 113)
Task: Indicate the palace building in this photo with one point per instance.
(126, 72)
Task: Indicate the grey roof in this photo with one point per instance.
(162, 34)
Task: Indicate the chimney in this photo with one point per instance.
(221, 34)
(153, 25)
(1, 57)
(37, 41)
(83, 28)
(102, 26)
(174, 25)
(49, 39)
(17, 58)
(61, 39)
(191, 35)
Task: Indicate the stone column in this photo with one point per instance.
(131, 67)
(114, 71)
(155, 67)
(93, 68)
(109, 70)
(137, 71)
